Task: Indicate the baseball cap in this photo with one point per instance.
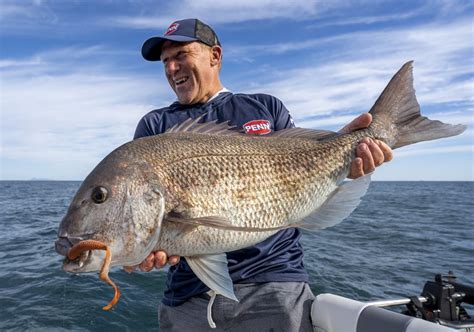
(187, 30)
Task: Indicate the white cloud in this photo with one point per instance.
(16, 9)
(333, 122)
(73, 105)
(352, 80)
(9, 63)
(25, 14)
(53, 111)
(371, 19)
(465, 116)
(225, 12)
(436, 150)
(327, 13)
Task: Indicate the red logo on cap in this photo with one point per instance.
(172, 28)
(257, 127)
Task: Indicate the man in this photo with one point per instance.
(270, 280)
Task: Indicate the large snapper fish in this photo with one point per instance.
(201, 189)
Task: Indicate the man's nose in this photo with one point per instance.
(171, 67)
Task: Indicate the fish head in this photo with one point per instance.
(121, 204)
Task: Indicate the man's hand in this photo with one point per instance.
(370, 153)
(156, 259)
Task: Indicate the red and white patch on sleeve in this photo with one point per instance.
(257, 127)
(172, 28)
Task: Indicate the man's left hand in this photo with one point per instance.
(370, 153)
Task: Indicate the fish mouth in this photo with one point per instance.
(62, 246)
(64, 243)
(77, 265)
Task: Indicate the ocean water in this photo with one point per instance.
(401, 235)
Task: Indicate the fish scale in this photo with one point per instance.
(275, 202)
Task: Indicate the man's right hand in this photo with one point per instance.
(156, 259)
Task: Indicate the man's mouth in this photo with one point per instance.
(180, 80)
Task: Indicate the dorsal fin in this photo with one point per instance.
(211, 128)
(224, 128)
(297, 132)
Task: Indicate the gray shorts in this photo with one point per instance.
(273, 306)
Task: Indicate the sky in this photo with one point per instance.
(73, 84)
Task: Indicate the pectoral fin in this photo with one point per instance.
(213, 271)
(343, 201)
(216, 222)
(209, 221)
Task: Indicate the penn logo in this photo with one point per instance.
(172, 28)
(257, 127)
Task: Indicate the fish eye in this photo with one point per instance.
(99, 195)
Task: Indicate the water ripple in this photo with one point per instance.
(400, 236)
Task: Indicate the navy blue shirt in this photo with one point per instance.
(279, 257)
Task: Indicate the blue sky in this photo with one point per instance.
(73, 84)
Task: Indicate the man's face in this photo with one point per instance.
(189, 71)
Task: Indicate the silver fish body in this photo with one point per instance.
(252, 182)
(200, 190)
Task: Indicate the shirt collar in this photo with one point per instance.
(212, 98)
(218, 92)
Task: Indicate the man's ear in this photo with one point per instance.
(216, 55)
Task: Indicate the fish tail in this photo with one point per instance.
(396, 114)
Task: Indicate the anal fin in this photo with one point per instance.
(213, 271)
(343, 201)
(215, 222)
